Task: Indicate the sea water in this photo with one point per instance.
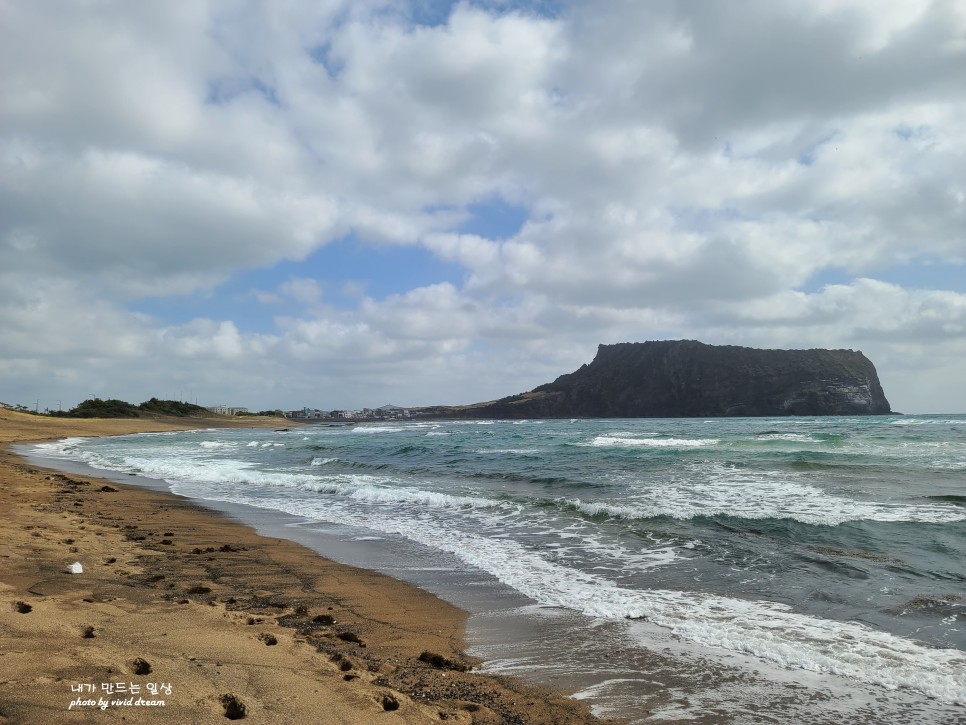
(750, 570)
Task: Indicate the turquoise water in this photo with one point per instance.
(833, 546)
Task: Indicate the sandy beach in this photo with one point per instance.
(183, 615)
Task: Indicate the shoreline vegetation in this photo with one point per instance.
(153, 408)
(182, 614)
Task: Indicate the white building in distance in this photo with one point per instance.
(226, 410)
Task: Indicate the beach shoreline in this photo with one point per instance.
(232, 622)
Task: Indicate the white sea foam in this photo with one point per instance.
(320, 461)
(220, 475)
(71, 448)
(510, 451)
(187, 465)
(760, 497)
(61, 447)
(929, 421)
(768, 630)
(792, 437)
(374, 490)
(626, 442)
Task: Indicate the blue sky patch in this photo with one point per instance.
(322, 54)
(825, 277)
(341, 269)
(432, 13)
(922, 274)
(383, 270)
(494, 219)
(927, 273)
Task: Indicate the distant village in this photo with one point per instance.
(385, 412)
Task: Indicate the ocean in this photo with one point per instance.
(788, 570)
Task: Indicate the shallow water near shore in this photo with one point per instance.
(749, 570)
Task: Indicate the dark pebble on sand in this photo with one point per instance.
(234, 708)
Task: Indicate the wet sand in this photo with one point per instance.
(183, 615)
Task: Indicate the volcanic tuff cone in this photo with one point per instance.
(686, 378)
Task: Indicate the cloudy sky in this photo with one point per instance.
(346, 203)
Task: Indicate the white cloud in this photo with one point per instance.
(685, 170)
(306, 291)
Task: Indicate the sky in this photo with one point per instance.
(340, 204)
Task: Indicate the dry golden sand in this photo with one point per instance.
(218, 613)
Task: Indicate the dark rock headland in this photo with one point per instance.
(686, 378)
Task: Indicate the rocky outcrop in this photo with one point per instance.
(686, 378)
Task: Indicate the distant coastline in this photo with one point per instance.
(656, 379)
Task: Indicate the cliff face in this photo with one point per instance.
(690, 379)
